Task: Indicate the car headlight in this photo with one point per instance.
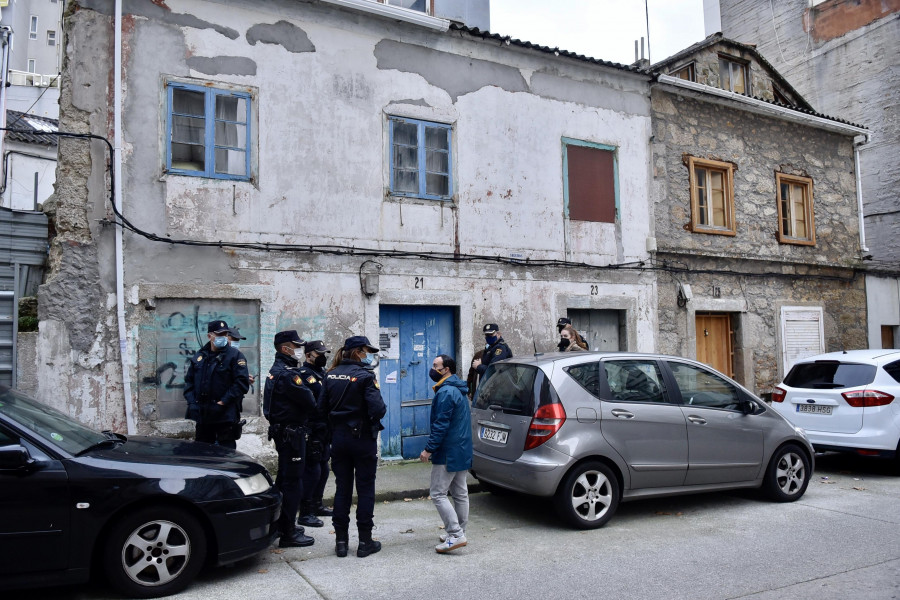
(253, 485)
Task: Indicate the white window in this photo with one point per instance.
(33, 29)
(32, 65)
(802, 334)
(51, 37)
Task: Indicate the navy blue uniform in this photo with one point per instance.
(316, 475)
(290, 405)
(353, 402)
(214, 377)
(494, 353)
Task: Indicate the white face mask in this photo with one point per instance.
(235, 344)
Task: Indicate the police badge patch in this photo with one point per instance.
(242, 363)
(311, 379)
(498, 352)
(297, 380)
(377, 387)
(200, 358)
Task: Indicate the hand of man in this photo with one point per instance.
(476, 363)
(220, 403)
(425, 456)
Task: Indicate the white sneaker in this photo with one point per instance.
(443, 536)
(450, 544)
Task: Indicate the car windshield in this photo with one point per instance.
(49, 423)
(829, 375)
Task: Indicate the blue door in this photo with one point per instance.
(411, 337)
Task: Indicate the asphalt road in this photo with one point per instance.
(840, 541)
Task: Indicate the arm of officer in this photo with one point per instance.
(299, 393)
(374, 403)
(189, 384)
(240, 383)
(443, 414)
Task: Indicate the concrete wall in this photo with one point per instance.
(324, 81)
(751, 275)
(883, 308)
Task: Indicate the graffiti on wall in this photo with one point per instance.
(179, 330)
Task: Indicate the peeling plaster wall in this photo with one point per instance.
(323, 82)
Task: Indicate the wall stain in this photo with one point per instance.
(284, 34)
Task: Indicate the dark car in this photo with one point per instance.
(148, 512)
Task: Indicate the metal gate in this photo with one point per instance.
(23, 252)
(411, 336)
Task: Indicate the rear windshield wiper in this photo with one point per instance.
(112, 440)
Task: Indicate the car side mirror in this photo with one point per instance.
(14, 457)
(748, 407)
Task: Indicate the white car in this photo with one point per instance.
(845, 401)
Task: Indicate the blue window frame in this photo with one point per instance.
(421, 160)
(591, 181)
(207, 132)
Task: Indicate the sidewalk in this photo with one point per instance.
(396, 480)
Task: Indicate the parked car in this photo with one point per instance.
(845, 401)
(148, 512)
(594, 429)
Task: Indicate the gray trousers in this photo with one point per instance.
(455, 515)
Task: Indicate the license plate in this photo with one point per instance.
(816, 409)
(494, 435)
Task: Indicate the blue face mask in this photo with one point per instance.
(235, 344)
(367, 359)
(220, 341)
(490, 339)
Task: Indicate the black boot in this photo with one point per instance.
(320, 510)
(340, 544)
(308, 516)
(295, 539)
(367, 545)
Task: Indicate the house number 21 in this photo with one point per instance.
(420, 283)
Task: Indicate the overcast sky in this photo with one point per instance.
(604, 29)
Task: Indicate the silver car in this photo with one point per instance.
(595, 429)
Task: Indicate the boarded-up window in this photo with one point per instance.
(591, 179)
(802, 334)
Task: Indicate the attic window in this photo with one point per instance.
(423, 6)
(686, 72)
(733, 75)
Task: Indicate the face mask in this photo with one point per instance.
(220, 341)
(235, 344)
(367, 359)
(490, 339)
(299, 354)
(435, 375)
(321, 361)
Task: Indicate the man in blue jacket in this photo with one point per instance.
(450, 449)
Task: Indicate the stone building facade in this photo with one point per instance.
(842, 56)
(740, 291)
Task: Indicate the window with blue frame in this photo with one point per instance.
(420, 159)
(208, 132)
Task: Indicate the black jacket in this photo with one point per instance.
(493, 353)
(286, 399)
(351, 397)
(213, 377)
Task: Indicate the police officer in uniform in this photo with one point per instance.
(318, 449)
(288, 405)
(214, 388)
(495, 349)
(352, 399)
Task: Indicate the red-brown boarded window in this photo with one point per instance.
(592, 184)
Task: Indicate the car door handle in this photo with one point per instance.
(697, 420)
(622, 414)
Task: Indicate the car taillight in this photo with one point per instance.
(545, 423)
(867, 398)
(778, 395)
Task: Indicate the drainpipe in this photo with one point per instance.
(124, 353)
(859, 200)
(6, 34)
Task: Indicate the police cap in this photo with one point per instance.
(290, 336)
(235, 333)
(360, 341)
(563, 321)
(491, 328)
(217, 327)
(317, 346)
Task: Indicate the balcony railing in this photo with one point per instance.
(32, 79)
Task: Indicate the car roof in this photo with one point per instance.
(552, 357)
(874, 356)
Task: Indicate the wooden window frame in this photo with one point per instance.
(692, 71)
(746, 67)
(727, 169)
(807, 184)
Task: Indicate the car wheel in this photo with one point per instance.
(588, 496)
(788, 474)
(154, 552)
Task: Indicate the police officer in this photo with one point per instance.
(495, 348)
(352, 400)
(288, 405)
(318, 449)
(214, 388)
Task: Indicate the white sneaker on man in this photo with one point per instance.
(450, 544)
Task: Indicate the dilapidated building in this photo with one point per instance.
(337, 168)
(757, 219)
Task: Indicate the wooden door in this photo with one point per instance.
(714, 341)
